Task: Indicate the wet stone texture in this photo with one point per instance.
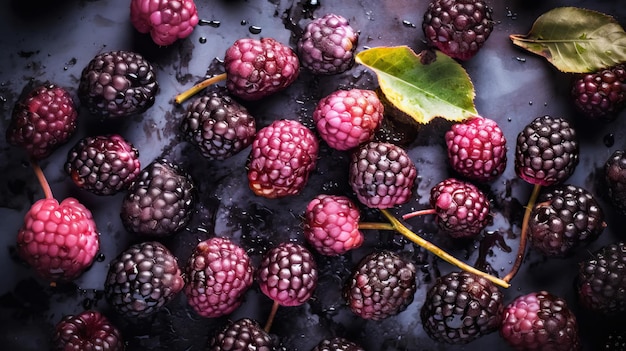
(54, 41)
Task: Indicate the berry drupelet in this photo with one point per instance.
(381, 285)
(459, 28)
(103, 165)
(118, 84)
(142, 279)
(86, 331)
(217, 275)
(42, 121)
(327, 45)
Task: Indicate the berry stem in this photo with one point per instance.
(402, 229)
(419, 213)
(42, 180)
(270, 319)
(182, 97)
(523, 235)
(375, 225)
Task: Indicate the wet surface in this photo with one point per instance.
(54, 42)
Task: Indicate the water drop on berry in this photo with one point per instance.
(609, 140)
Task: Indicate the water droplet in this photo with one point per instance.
(210, 23)
(520, 59)
(3, 99)
(100, 257)
(408, 23)
(244, 22)
(202, 40)
(609, 140)
(312, 4)
(509, 119)
(530, 103)
(255, 29)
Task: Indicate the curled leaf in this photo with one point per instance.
(575, 40)
(422, 86)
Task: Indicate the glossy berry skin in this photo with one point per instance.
(327, 45)
(282, 157)
(459, 28)
(381, 285)
(259, 68)
(118, 84)
(165, 20)
(288, 274)
(381, 174)
(218, 126)
(476, 149)
(160, 202)
(546, 152)
(601, 280)
(87, 331)
(463, 210)
(142, 279)
(58, 240)
(615, 179)
(331, 224)
(217, 275)
(242, 335)
(103, 165)
(347, 118)
(43, 120)
(601, 95)
(461, 307)
(540, 321)
(564, 217)
(337, 344)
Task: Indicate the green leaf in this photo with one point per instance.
(575, 40)
(439, 88)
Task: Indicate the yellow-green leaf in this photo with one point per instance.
(439, 88)
(575, 40)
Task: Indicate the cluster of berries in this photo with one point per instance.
(60, 240)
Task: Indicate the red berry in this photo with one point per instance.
(217, 275)
(165, 20)
(282, 157)
(331, 225)
(259, 68)
(59, 241)
(42, 121)
(87, 331)
(347, 118)
(477, 149)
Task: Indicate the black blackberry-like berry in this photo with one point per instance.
(615, 179)
(601, 94)
(142, 279)
(218, 126)
(160, 201)
(103, 164)
(381, 285)
(546, 152)
(458, 28)
(337, 344)
(242, 335)
(564, 217)
(381, 174)
(461, 307)
(118, 84)
(601, 281)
